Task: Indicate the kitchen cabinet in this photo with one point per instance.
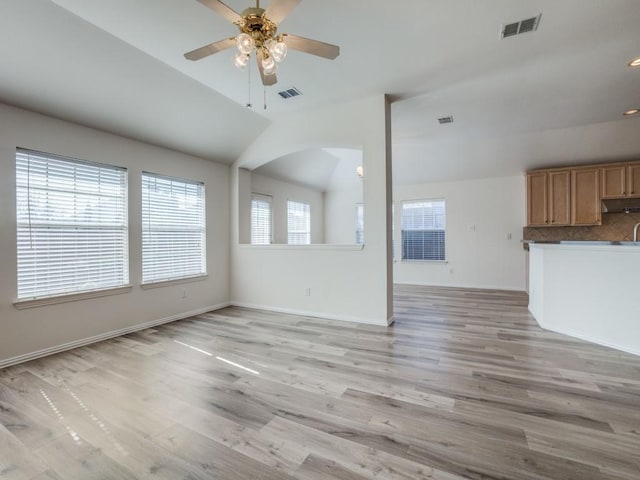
(560, 197)
(585, 196)
(633, 180)
(548, 198)
(537, 198)
(614, 183)
(620, 180)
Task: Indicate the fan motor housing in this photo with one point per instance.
(257, 25)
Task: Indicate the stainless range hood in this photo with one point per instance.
(621, 205)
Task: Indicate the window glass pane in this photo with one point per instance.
(261, 220)
(423, 230)
(359, 223)
(71, 225)
(298, 223)
(173, 228)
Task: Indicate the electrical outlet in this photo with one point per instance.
(307, 292)
(509, 236)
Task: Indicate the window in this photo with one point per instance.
(423, 230)
(71, 225)
(173, 228)
(261, 220)
(359, 223)
(298, 223)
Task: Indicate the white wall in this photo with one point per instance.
(282, 191)
(347, 283)
(588, 291)
(480, 215)
(25, 331)
(340, 215)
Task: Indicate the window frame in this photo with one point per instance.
(444, 231)
(173, 280)
(308, 232)
(262, 196)
(55, 174)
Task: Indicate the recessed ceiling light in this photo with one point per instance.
(635, 62)
(633, 111)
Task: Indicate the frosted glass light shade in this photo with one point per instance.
(245, 43)
(269, 66)
(241, 60)
(278, 50)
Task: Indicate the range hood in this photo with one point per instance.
(621, 205)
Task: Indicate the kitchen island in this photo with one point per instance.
(589, 290)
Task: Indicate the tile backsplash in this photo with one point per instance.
(615, 227)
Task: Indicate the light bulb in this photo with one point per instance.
(245, 43)
(278, 50)
(268, 65)
(241, 60)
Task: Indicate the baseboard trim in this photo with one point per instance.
(106, 336)
(590, 339)
(308, 313)
(471, 287)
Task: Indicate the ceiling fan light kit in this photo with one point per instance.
(258, 35)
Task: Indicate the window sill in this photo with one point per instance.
(70, 297)
(175, 281)
(442, 262)
(313, 246)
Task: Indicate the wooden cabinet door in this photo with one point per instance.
(585, 196)
(633, 180)
(537, 199)
(614, 184)
(559, 197)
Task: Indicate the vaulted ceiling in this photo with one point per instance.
(553, 95)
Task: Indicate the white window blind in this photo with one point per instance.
(423, 230)
(261, 220)
(173, 228)
(298, 223)
(359, 223)
(71, 225)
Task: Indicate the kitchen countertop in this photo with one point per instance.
(581, 242)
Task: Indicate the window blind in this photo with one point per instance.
(261, 220)
(173, 228)
(298, 223)
(359, 223)
(423, 230)
(71, 225)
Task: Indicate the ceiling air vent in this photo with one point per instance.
(523, 26)
(444, 120)
(292, 92)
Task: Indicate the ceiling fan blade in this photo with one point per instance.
(210, 49)
(267, 80)
(314, 47)
(279, 9)
(222, 9)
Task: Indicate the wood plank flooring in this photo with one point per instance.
(464, 385)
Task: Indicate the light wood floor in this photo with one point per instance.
(464, 385)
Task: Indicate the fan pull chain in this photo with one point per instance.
(265, 98)
(249, 88)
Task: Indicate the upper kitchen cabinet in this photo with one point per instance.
(620, 180)
(548, 198)
(537, 199)
(585, 196)
(633, 179)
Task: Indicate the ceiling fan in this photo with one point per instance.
(258, 33)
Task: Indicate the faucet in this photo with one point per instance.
(635, 232)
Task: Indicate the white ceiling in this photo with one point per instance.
(322, 169)
(532, 100)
